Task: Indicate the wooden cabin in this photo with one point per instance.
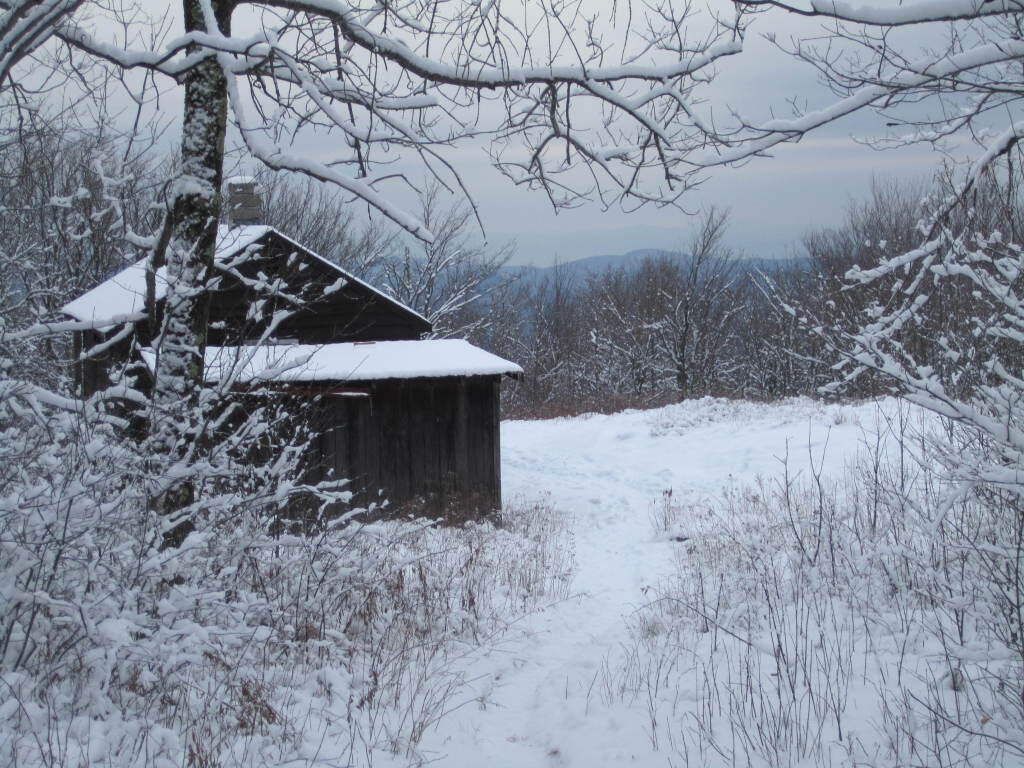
(414, 421)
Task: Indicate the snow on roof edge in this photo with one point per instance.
(351, 361)
(128, 286)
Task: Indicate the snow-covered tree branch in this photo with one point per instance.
(552, 90)
(444, 280)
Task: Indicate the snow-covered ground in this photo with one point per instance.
(542, 694)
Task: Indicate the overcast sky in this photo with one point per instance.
(773, 200)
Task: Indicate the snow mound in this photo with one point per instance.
(684, 417)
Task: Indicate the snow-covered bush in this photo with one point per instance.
(117, 647)
(820, 615)
(248, 644)
(871, 619)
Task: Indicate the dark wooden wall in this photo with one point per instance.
(93, 373)
(429, 446)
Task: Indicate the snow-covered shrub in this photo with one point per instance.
(116, 647)
(817, 614)
(870, 619)
(248, 644)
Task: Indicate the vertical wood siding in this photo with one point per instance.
(426, 445)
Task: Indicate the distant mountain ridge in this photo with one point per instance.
(580, 270)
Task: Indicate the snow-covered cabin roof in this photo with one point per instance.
(125, 292)
(350, 361)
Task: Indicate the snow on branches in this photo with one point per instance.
(616, 103)
(573, 101)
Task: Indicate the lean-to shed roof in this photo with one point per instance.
(350, 361)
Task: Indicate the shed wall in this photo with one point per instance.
(425, 445)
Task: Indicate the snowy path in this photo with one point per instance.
(541, 702)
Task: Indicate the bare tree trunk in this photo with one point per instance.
(190, 235)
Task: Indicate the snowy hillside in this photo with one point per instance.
(554, 691)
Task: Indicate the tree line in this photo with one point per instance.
(709, 321)
(703, 321)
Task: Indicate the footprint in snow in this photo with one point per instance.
(555, 756)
